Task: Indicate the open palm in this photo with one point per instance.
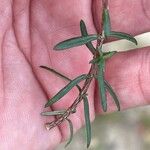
(28, 31)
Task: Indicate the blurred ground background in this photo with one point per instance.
(127, 130)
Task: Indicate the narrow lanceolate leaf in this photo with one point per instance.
(106, 22)
(53, 113)
(95, 60)
(107, 55)
(101, 84)
(56, 72)
(59, 74)
(84, 32)
(121, 35)
(71, 132)
(65, 90)
(87, 120)
(73, 42)
(113, 94)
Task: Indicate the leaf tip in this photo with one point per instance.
(55, 48)
(41, 66)
(105, 108)
(81, 21)
(119, 109)
(136, 43)
(46, 105)
(88, 145)
(42, 113)
(67, 145)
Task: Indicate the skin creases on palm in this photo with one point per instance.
(29, 30)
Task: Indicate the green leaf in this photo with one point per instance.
(84, 32)
(95, 60)
(60, 75)
(73, 42)
(107, 55)
(113, 94)
(53, 113)
(101, 84)
(121, 35)
(55, 72)
(106, 21)
(65, 90)
(71, 132)
(87, 120)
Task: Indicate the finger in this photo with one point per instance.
(23, 99)
(129, 75)
(21, 24)
(5, 22)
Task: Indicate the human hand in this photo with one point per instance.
(29, 30)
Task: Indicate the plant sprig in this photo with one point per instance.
(96, 72)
